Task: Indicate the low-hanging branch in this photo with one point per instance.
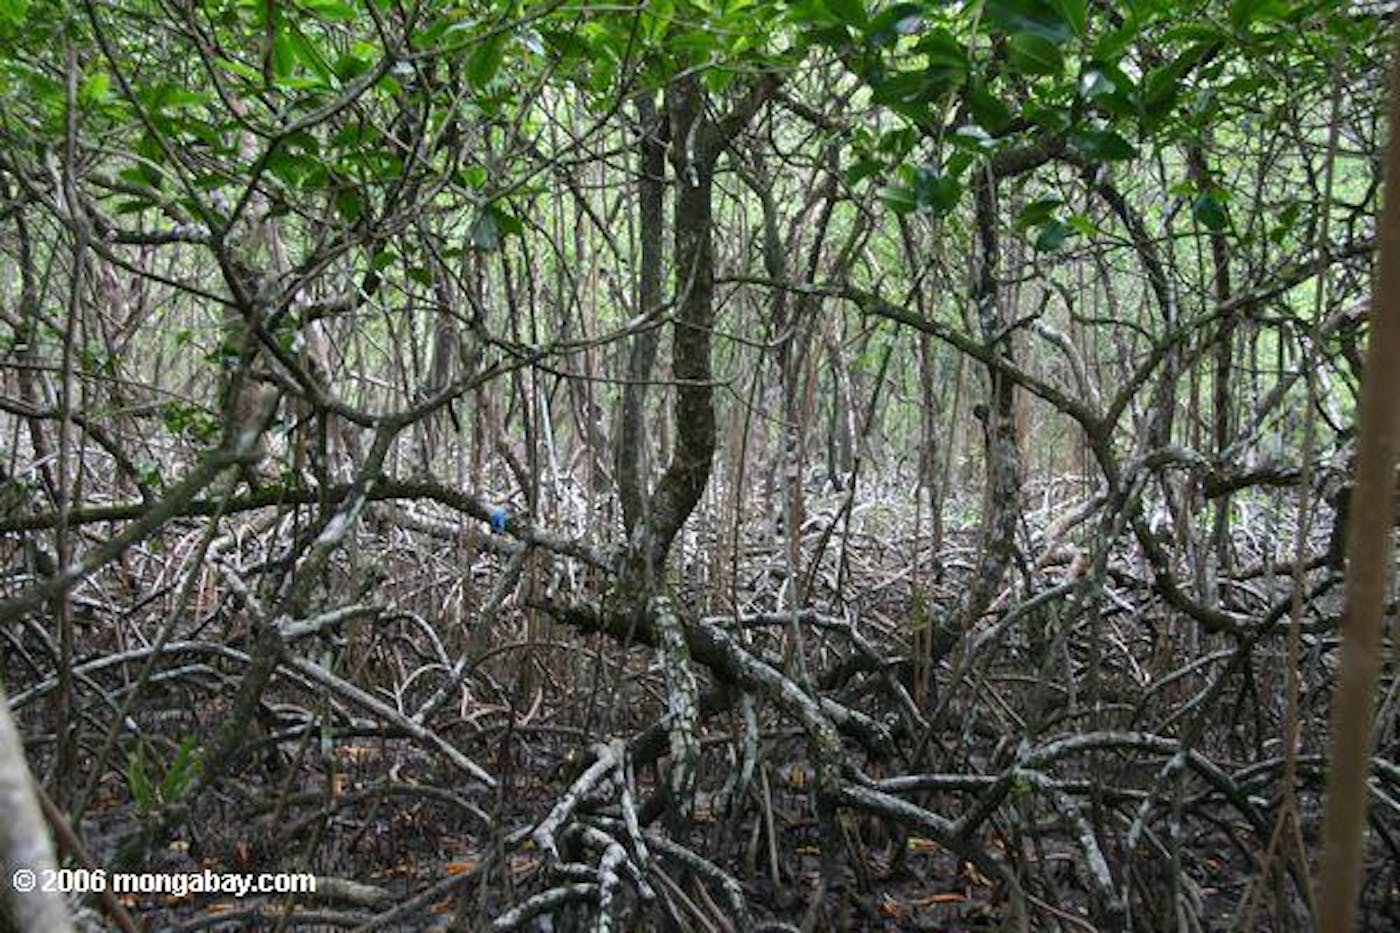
(265, 497)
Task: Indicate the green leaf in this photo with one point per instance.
(656, 18)
(284, 56)
(1245, 13)
(972, 137)
(336, 11)
(1037, 212)
(957, 163)
(349, 65)
(1287, 220)
(946, 56)
(991, 114)
(1210, 212)
(898, 142)
(1160, 88)
(603, 75)
(1037, 17)
(809, 13)
(356, 135)
(243, 71)
(1052, 236)
(13, 12)
(1093, 83)
(180, 777)
(94, 88)
(1076, 13)
(899, 198)
(152, 156)
(1083, 225)
(138, 781)
(567, 43)
(151, 476)
(1112, 44)
(897, 19)
(1103, 145)
(308, 55)
(492, 226)
(718, 80)
(167, 97)
(486, 233)
(485, 61)
(861, 170)
(935, 192)
(1193, 31)
(1033, 54)
(913, 87)
(849, 12)
(350, 203)
(510, 224)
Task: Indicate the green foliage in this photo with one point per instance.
(183, 419)
(1102, 145)
(1035, 55)
(1209, 209)
(1038, 18)
(151, 475)
(311, 114)
(921, 188)
(485, 60)
(171, 783)
(1021, 787)
(1043, 215)
(492, 226)
(12, 14)
(1111, 88)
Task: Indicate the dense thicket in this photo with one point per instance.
(700, 465)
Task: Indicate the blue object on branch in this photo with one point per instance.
(498, 520)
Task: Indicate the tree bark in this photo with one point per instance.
(1370, 560)
(24, 840)
(651, 193)
(1001, 506)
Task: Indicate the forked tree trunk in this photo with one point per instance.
(697, 140)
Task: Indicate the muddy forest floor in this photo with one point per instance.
(359, 794)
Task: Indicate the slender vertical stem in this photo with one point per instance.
(1370, 560)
